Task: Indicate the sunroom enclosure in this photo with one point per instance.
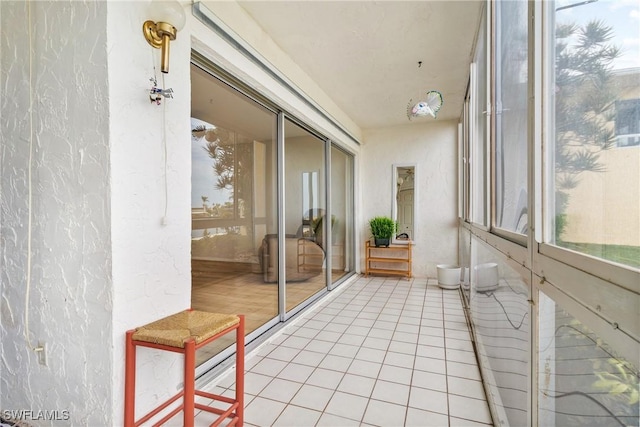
(542, 295)
(549, 215)
(98, 222)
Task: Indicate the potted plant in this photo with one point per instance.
(382, 229)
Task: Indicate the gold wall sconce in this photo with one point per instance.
(167, 18)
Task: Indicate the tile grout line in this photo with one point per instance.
(361, 295)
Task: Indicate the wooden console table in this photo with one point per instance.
(395, 259)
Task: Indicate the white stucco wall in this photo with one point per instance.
(102, 260)
(71, 296)
(432, 146)
(151, 261)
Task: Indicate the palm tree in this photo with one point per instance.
(584, 101)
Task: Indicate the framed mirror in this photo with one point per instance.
(403, 206)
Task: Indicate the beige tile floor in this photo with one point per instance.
(220, 289)
(379, 352)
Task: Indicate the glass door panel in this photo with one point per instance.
(342, 244)
(304, 215)
(233, 206)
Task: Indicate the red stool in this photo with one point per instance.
(185, 332)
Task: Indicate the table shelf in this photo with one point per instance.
(391, 260)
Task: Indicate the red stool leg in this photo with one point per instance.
(240, 371)
(129, 381)
(189, 382)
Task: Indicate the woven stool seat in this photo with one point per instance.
(184, 333)
(176, 329)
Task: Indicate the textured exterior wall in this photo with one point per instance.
(151, 261)
(603, 208)
(71, 296)
(432, 146)
(103, 261)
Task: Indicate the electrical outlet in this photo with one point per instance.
(42, 353)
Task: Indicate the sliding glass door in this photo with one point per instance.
(233, 205)
(305, 214)
(342, 207)
(253, 171)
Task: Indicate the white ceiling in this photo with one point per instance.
(365, 54)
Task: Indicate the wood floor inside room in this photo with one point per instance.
(239, 288)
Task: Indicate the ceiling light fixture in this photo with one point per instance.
(167, 18)
(428, 107)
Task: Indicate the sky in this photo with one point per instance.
(622, 15)
(202, 176)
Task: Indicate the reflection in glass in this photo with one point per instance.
(500, 314)
(232, 205)
(223, 163)
(596, 158)
(310, 212)
(305, 214)
(464, 245)
(342, 203)
(582, 382)
(511, 116)
(403, 206)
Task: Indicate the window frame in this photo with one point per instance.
(476, 154)
(493, 40)
(618, 275)
(603, 295)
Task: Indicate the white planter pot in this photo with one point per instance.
(486, 277)
(448, 276)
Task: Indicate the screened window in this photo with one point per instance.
(596, 131)
(466, 159)
(510, 112)
(479, 130)
(628, 122)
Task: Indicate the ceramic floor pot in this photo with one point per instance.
(448, 276)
